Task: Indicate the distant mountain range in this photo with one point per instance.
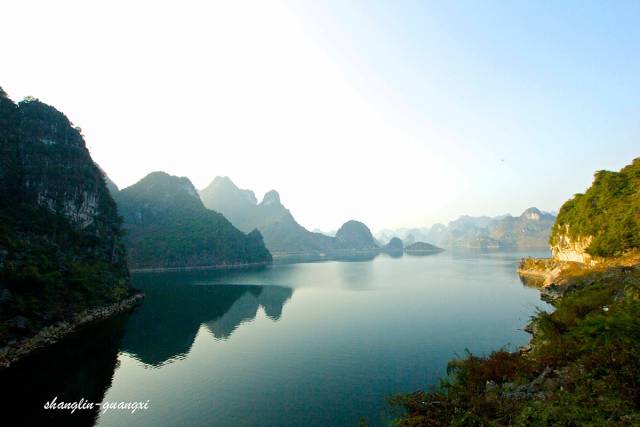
(282, 233)
(170, 224)
(531, 229)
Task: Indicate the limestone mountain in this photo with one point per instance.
(235, 204)
(531, 229)
(355, 235)
(60, 234)
(282, 233)
(602, 222)
(168, 227)
(395, 245)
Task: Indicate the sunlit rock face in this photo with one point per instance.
(603, 221)
(568, 249)
(532, 214)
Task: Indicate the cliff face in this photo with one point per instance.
(60, 233)
(566, 248)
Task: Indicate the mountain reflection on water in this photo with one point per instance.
(156, 333)
(79, 367)
(215, 347)
(176, 305)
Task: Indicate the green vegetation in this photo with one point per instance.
(583, 367)
(609, 211)
(60, 234)
(168, 227)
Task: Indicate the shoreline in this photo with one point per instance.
(594, 315)
(55, 332)
(200, 267)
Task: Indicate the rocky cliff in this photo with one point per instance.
(568, 248)
(603, 222)
(60, 234)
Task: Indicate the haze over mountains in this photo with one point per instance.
(282, 233)
(170, 224)
(531, 229)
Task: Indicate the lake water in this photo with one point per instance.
(313, 344)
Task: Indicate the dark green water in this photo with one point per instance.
(316, 344)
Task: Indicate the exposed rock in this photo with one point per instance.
(568, 249)
(532, 214)
(531, 390)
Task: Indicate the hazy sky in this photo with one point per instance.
(395, 113)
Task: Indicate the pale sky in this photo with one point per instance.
(393, 113)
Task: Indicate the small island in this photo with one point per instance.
(422, 248)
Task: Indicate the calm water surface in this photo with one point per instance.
(318, 344)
